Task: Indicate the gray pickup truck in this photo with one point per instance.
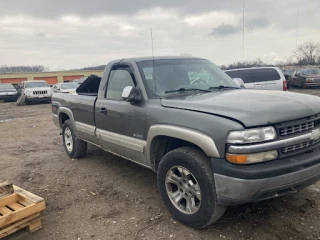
(211, 143)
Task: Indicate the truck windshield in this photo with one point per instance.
(165, 77)
(36, 84)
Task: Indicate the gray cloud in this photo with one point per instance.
(39, 35)
(229, 29)
(225, 30)
(54, 8)
(257, 22)
(76, 33)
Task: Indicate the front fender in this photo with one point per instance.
(199, 139)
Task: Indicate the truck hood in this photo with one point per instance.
(250, 107)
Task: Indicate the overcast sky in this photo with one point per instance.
(64, 34)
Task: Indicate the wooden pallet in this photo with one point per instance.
(6, 188)
(20, 210)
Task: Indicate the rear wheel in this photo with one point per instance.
(186, 185)
(74, 147)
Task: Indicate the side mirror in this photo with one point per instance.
(131, 94)
(239, 82)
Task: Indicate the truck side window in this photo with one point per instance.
(118, 80)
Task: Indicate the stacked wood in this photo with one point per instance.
(20, 209)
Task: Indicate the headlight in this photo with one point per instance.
(252, 157)
(252, 135)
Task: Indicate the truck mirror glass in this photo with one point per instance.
(131, 94)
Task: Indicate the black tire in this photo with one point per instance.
(196, 162)
(79, 147)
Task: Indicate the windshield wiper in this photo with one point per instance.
(180, 90)
(223, 87)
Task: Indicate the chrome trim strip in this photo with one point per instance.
(124, 141)
(92, 143)
(200, 139)
(269, 145)
(141, 164)
(85, 128)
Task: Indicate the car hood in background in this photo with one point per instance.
(8, 90)
(68, 90)
(311, 76)
(39, 89)
(251, 107)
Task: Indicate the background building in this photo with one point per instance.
(50, 77)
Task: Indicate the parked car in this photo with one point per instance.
(8, 93)
(288, 75)
(68, 87)
(34, 91)
(79, 81)
(263, 78)
(211, 143)
(306, 78)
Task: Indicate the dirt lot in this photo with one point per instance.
(106, 197)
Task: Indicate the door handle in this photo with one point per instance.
(103, 111)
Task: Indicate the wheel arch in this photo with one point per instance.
(65, 114)
(164, 138)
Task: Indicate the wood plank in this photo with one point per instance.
(15, 206)
(25, 194)
(8, 200)
(25, 202)
(34, 226)
(6, 188)
(19, 225)
(5, 211)
(21, 213)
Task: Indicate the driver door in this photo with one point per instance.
(120, 124)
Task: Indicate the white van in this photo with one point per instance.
(263, 78)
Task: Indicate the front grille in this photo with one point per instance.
(40, 92)
(299, 146)
(287, 130)
(296, 128)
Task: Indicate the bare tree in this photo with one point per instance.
(308, 53)
(255, 63)
(22, 69)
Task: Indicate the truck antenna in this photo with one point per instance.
(153, 73)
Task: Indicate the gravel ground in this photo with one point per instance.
(105, 197)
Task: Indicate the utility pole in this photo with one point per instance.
(243, 6)
(297, 29)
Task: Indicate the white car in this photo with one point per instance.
(262, 78)
(34, 91)
(68, 87)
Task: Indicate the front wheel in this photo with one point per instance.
(186, 185)
(74, 147)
